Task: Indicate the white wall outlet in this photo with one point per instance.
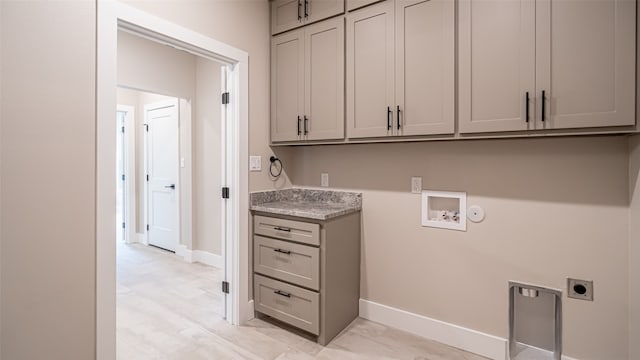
(324, 179)
(416, 185)
(255, 163)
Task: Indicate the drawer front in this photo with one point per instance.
(307, 233)
(295, 263)
(288, 303)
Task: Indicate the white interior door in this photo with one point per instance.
(162, 174)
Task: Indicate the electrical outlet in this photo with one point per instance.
(255, 163)
(580, 289)
(324, 179)
(416, 185)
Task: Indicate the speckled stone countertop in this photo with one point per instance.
(306, 203)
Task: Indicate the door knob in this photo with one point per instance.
(172, 186)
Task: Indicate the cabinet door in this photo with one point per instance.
(287, 85)
(322, 9)
(286, 15)
(324, 80)
(496, 65)
(370, 67)
(586, 62)
(425, 60)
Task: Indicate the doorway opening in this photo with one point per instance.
(114, 16)
(176, 268)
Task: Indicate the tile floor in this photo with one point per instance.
(169, 309)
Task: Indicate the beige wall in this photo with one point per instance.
(48, 180)
(207, 153)
(555, 208)
(634, 246)
(243, 24)
(149, 66)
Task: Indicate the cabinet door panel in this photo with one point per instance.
(370, 67)
(425, 60)
(284, 15)
(324, 79)
(496, 64)
(287, 85)
(586, 62)
(323, 9)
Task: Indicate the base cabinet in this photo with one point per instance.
(307, 272)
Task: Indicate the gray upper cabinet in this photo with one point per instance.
(290, 14)
(496, 65)
(307, 83)
(370, 66)
(425, 67)
(585, 63)
(546, 64)
(324, 80)
(287, 86)
(400, 69)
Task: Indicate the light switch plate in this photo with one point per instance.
(416, 185)
(255, 163)
(324, 179)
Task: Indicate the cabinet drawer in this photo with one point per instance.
(295, 263)
(288, 303)
(307, 233)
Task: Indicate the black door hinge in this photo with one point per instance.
(147, 227)
(123, 226)
(225, 98)
(146, 127)
(123, 129)
(147, 177)
(122, 177)
(225, 287)
(225, 192)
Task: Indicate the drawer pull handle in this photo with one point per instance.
(282, 293)
(287, 252)
(278, 228)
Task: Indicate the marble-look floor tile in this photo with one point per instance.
(170, 309)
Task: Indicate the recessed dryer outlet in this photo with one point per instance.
(580, 289)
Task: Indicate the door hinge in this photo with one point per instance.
(225, 98)
(225, 192)
(123, 129)
(225, 287)
(147, 177)
(147, 227)
(122, 177)
(123, 226)
(146, 127)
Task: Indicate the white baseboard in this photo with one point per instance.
(207, 258)
(140, 238)
(473, 341)
(490, 346)
(200, 256)
(184, 253)
(251, 310)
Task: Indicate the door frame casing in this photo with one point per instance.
(111, 16)
(130, 172)
(175, 102)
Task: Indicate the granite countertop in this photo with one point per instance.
(306, 203)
